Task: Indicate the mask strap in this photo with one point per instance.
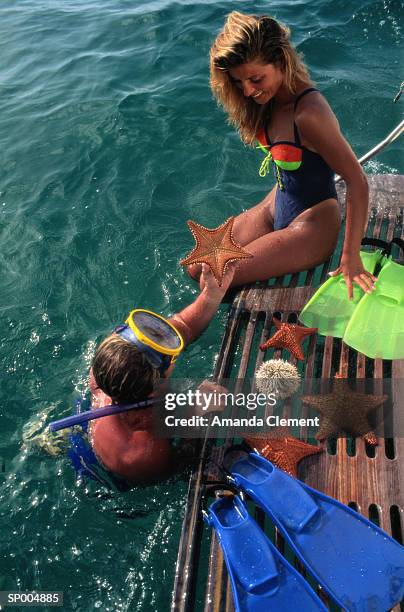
(156, 360)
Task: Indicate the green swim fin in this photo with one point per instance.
(329, 309)
(376, 328)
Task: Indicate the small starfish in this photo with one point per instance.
(345, 410)
(214, 247)
(289, 336)
(285, 452)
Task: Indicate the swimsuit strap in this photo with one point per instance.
(266, 134)
(299, 97)
(301, 94)
(297, 137)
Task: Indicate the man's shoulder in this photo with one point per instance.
(129, 453)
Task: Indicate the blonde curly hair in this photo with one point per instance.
(247, 38)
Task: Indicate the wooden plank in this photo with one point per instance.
(360, 479)
(188, 550)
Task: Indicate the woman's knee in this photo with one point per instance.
(237, 230)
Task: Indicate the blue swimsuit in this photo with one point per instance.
(309, 180)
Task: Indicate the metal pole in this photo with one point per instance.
(398, 130)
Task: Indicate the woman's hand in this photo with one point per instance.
(352, 269)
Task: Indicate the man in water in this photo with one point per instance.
(127, 367)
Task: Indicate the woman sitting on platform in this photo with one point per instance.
(262, 83)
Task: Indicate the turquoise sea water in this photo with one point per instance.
(109, 142)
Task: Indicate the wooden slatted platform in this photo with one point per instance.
(371, 482)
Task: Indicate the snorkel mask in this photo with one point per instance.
(153, 336)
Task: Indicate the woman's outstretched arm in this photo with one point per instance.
(319, 128)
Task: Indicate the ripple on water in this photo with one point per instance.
(109, 142)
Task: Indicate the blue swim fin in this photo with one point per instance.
(262, 580)
(357, 563)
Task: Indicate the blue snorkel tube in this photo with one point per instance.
(90, 415)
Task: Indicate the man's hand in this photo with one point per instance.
(191, 321)
(212, 389)
(209, 284)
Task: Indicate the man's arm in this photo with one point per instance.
(195, 318)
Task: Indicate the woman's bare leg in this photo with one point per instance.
(305, 243)
(248, 226)
(256, 221)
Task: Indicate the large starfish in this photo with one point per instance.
(289, 336)
(214, 247)
(284, 451)
(345, 411)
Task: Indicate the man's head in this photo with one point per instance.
(122, 372)
(129, 362)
